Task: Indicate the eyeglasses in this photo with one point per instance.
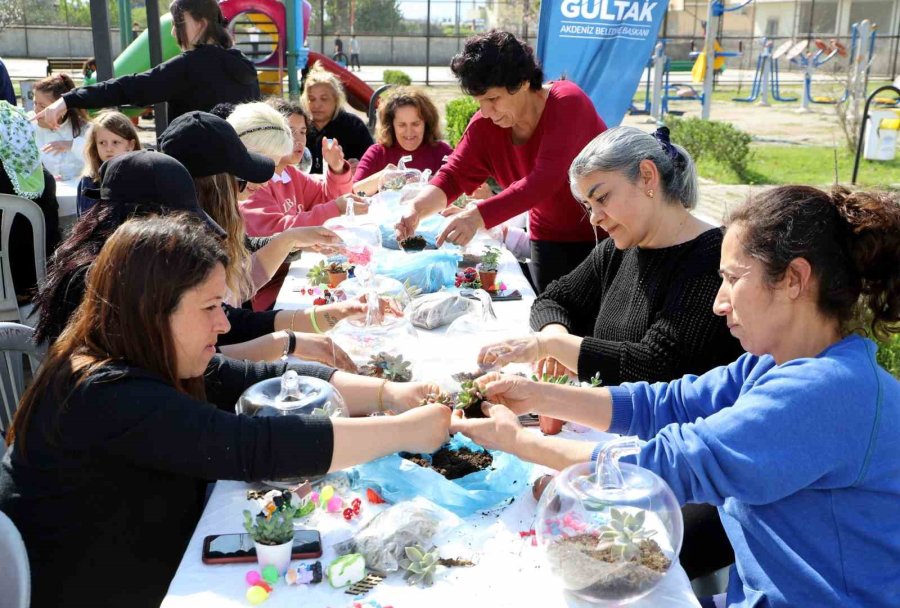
(241, 184)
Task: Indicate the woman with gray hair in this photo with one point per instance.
(640, 307)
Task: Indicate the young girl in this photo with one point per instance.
(61, 149)
(112, 134)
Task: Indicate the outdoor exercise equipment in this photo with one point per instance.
(715, 11)
(766, 77)
(866, 122)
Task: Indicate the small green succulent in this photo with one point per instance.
(564, 379)
(469, 399)
(624, 533)
(318, 274)
(393, 368)
(420, 565)
(276, 528)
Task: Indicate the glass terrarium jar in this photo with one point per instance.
(609, 532)
(291, 395)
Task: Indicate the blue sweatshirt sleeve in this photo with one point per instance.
(643, 409)
(807, 424)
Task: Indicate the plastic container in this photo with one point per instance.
(291, 395)
(609, 532)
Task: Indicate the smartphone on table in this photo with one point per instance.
(238, 548)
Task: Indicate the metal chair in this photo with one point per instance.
(10, 206)
(15, 575)
(15, 340)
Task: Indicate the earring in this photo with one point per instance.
(650, 193)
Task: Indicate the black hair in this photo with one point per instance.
(496, 59)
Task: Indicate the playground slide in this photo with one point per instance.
(358, 92)
(136, 57)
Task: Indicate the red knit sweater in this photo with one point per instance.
(534, 175)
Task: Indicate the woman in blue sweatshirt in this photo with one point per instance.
(798, 441)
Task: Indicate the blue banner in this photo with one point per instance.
(601, 45)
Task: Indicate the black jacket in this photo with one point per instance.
(195, 80)
(351, 133)
(112, 485)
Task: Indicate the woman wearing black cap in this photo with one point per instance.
(209, 71)
(218, 166)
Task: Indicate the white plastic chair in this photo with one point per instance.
(11, 205)
(15, 575)
(15, 341)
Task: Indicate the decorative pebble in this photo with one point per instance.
(335, 504)
(257, 595)
(252, 577)
(270, 574)
(374, 497)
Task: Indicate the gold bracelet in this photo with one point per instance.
(294, 318)
(381, 396)
(312, 319)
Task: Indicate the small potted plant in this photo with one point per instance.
(468, 279)
(272, 531)
(337, 273)
(488, 267)
(549, 425)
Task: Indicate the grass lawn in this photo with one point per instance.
(813, 165)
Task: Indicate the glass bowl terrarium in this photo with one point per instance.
(291, 395)
(610, 532)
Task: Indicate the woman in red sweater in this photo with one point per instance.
(524, 136)
(408, 125)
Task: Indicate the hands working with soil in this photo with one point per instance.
(506, 397)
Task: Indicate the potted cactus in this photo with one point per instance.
(488, 267)
(337, 273)
(272, 531)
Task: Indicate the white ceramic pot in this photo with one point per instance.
(275, 555)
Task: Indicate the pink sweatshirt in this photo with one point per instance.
(293, 199)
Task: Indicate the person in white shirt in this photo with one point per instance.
(62, 149)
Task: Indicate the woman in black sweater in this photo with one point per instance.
(640, 307)
(209, 71)
(324, 98)
(112, 441)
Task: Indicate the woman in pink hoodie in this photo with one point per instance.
(290, 198)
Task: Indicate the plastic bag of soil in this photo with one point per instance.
(400, 479)
(383, 541)
(427, 270)
(429, 229)
(437, 309)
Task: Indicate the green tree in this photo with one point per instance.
(377, 16)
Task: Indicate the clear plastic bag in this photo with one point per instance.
(383, 541)
(429, 229)
(438, 309)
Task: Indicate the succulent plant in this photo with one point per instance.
(318, 274)
(439, 397)
(490, 259)
(469, 399)
(337, 267)
(420, 565)
(564, 379)
(273, 528)
(411, 290)
(389, 367)
(595, 380)
(624, 533)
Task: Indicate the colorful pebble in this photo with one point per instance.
(270, 574)
(335, 504)
(257, 595)
(252, 577)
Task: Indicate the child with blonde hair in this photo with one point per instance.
(112, 134)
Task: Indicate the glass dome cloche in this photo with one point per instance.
(610, 532)
(291, 395)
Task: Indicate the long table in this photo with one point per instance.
(508, 569)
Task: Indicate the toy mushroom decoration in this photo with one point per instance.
(488, 267)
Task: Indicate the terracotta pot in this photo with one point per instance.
(488, 279)
(274, 555)
(336, 278)
(550, 426)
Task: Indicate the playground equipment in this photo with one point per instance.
(766, 77)
(715, 11)
(867, 123)
(261, 29)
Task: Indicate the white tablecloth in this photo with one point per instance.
(508, 571)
